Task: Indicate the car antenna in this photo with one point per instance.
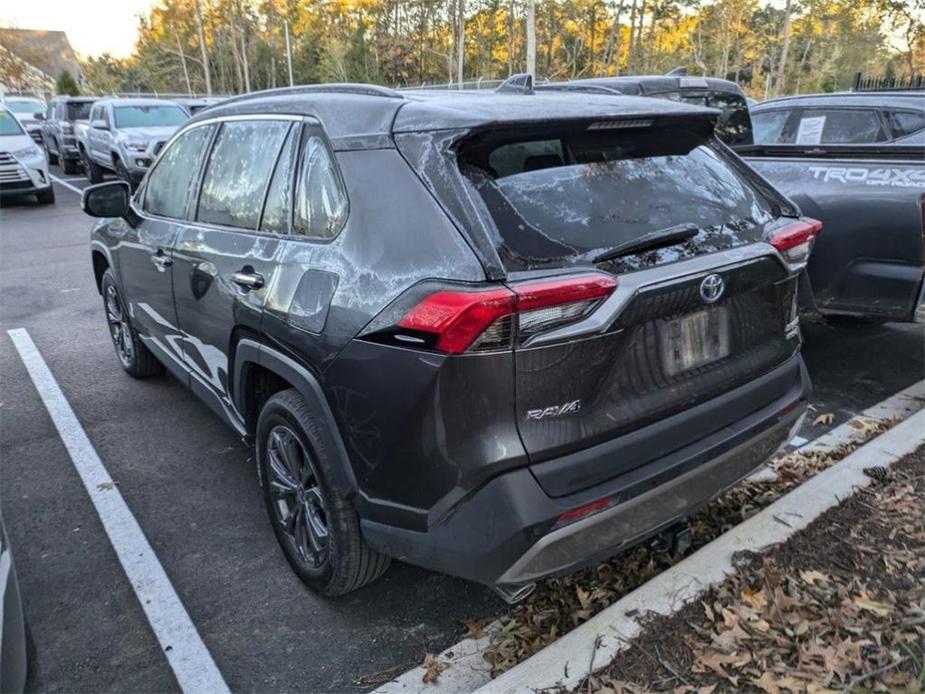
(679, 71)
(521, 83)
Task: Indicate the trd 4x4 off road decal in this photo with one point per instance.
(901, 177)
(555, 410)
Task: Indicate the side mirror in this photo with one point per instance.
(38, 116)
(107, 199)
(99, 124)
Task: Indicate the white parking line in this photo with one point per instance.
(64, 183)
(188, 656)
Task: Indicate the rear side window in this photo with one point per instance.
(734, 126)
(321, 203)
(239, 171)
(577, 194)
(768, 127)
(904, 123)
(172, 178)
(839, 127)
(79, 110)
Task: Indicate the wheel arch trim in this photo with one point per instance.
(248, 351)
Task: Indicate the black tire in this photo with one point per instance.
(123, 173)
(69, 166)
(47, 196)
(52, 156)
(94, 170)
(306, 499)
(135, 358)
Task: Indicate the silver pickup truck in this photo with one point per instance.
(125, 135)
(855, 161)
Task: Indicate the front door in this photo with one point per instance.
(225, 265)
(146, 252)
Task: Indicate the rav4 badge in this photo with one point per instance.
(555, 410)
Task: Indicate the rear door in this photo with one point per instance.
(225, 263)
(688, 321)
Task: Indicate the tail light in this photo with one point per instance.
(462, 320)
(796, 242)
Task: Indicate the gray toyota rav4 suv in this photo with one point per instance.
(500, 336)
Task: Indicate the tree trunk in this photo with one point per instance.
(460, 40)
(189, 88)
(782, 68)
(531, 37)
(632, 37)
(202, 49)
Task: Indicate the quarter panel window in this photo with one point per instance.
(906, 122)
(276, 211)
(321, 202)
(238, 172)
(169, 183)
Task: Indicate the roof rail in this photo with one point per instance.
(332, 88)
(521, 83)
(572, 87)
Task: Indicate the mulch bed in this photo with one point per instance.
(840, 606)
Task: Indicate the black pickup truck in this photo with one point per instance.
(854, 160)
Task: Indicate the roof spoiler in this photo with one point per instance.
(521, 83)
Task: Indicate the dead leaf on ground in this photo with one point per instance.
(826, 419)
(433, 667)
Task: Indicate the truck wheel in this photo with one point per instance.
(52, 156)
(69, 166)
(123, 173)
(135, 358)
(94, 170)
(317, 529)
(47, 196)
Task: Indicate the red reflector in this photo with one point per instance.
(585, 510)
(796, 233)
(535, 295)
(458, 317)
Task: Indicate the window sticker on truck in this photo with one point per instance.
(902, 177)
(810, 131)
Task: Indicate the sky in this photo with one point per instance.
(93, 26)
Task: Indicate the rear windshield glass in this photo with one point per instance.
(149, 116)
(571, 196)
(79, 110)
(734, 126)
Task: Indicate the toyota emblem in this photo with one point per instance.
(711, 288)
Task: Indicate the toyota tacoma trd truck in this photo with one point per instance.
(125, 135)
(500, 336)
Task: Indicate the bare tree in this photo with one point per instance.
(785, 47)
(531, 37)
(202, 49)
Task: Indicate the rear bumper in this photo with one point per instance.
(506, 532)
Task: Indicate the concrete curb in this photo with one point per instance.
(566, 662)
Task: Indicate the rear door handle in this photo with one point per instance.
(161, 260)
(248, 280)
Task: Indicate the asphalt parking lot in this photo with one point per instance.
(192, 487)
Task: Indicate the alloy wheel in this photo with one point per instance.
(297, 499)
(118, 327)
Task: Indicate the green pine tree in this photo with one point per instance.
(66, 84)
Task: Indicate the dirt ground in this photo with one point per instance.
(840, 606)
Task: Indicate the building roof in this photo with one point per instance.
(49, 51)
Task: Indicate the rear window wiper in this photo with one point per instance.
(654, 239)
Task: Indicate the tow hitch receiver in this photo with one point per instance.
(675, 541)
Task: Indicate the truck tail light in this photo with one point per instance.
(796, 242)
(479, 320)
